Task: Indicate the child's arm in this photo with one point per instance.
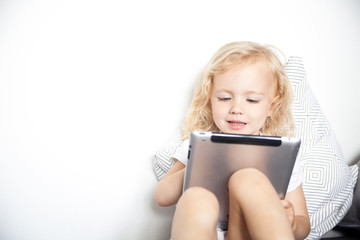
(295, 206)
(169, 188)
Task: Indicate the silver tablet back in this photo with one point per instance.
(214, 157)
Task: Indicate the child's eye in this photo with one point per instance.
(250, 100)
(224, 98)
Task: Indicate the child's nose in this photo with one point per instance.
(236, 108)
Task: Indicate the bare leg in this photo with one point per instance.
(196, 215)
(255, 208)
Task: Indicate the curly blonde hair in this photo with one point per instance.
(199, 116)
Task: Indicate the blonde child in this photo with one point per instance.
(243, 90)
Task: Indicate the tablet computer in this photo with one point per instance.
(214, 157)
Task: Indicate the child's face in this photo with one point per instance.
(242, 98)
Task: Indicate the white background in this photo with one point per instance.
(89, 90)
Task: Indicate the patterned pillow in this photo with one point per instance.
(162, 160)
(328, 181)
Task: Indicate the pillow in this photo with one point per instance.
(352, 218)
(162, 160)
(328, 181)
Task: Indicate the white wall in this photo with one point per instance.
(90, 89)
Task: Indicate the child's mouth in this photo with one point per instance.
(236, 125)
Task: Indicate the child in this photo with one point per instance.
(243, 90)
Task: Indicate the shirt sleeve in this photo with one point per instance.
(181, 153)
(296, 178)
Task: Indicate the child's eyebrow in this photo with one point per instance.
(254, 92)
(223, 90)
(247, 92)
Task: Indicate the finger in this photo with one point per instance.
(285, 203)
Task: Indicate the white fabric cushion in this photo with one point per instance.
(162, 160)
(328, 181)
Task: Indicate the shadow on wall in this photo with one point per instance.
(159, 229)
(356, 160)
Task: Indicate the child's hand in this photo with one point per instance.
(290, 211)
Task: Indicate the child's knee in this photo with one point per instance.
(247, 179)
(199, 202)
(199, 196)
